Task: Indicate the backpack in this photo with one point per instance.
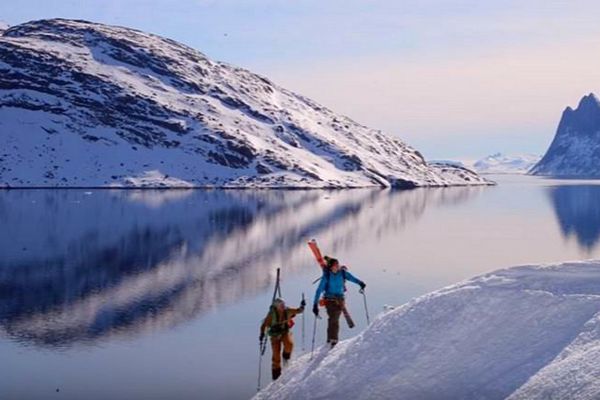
(280, 328)
(327, 273)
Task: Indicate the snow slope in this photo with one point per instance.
(85, 104)
(529, 332)
(499, 163)
(575, 150)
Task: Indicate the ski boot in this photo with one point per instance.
(276, 372)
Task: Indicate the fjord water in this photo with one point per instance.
(159, 294)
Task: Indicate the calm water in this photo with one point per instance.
(151, 295)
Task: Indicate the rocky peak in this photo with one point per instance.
(589, 102)
(575, 150)
(585, 119)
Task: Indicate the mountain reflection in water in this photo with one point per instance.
(81, 266)
(577, 209)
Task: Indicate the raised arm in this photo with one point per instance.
(355, 280)
(292, 312)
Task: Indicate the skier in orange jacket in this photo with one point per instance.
(279, 320)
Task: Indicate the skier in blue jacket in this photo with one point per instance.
(333, 286)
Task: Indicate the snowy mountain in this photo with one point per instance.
(530, 332)
(3, 26)
(575, 150)
(499, 163)
(85, 104)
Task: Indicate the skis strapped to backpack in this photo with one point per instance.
(312, 244)
(277, 291)
(288, 321)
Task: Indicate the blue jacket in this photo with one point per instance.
(336, 284)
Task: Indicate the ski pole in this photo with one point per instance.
(261, 351)
(313, 338)
(303, 347)
(366, 308)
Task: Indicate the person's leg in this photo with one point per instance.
(288, 346)
(329, 307)
(337, 312)
(276, 350)
(333, 324)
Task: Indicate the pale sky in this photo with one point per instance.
(455, 79)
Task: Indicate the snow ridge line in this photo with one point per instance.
(501, 335)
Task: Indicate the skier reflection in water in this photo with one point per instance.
(333, 285)
(279, 320)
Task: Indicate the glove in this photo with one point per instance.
(302, 304)
(362, 286)
(316, 309)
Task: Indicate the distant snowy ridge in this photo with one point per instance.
(90, 105)
(530, 332)
(3, 26)
(499, 163)
(454, 163)
(575, 150)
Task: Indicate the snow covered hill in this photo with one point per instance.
(85, 104)
(530, 332)
(499, 163)
(575, 150)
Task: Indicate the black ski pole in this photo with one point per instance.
(259, 365)
(261, 351)
(303, 347)
(313, 338)
(366, 308)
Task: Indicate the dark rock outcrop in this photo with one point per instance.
(575, 150)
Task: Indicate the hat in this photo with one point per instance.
(278, 301)
(330, 261)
